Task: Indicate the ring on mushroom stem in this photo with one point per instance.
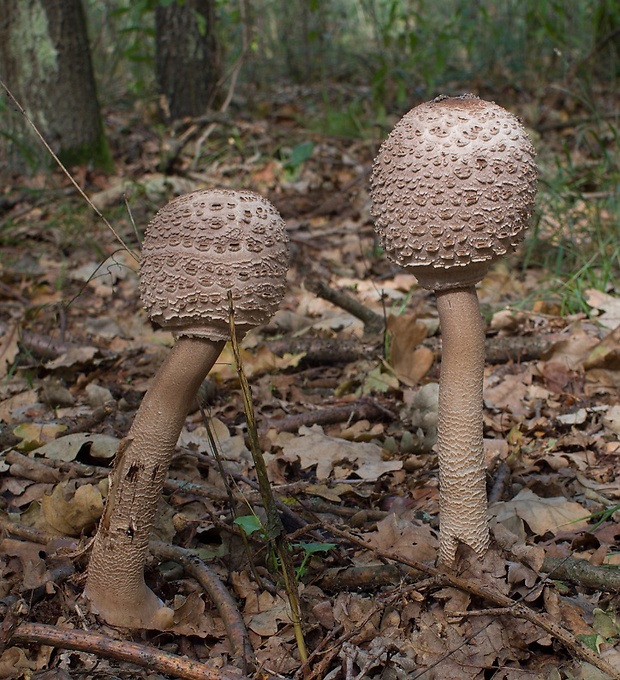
(453, 189)
(197, 248)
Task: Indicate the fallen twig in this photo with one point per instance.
(318, 351)
(121, 650)
(237, 633)
(367, 409)
(599, 577)
(373, 323)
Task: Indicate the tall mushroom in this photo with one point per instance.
(196, 249)
(453, 190)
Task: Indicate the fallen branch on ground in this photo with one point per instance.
(237, 634)
(365, 409)
(121, 650)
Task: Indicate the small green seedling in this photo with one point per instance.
(297, 157)
(250, 524)
(311, 549)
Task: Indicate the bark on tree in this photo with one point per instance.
(187, 57)
(45, 62)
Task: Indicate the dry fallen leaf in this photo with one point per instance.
(191, 618)
(409, 361)
(17, 402)
(510, 393)
(315, 448)
(542, 514)
(73, 356)
(606, 354)
(573, 349)
(256, 362)
(15, 664)
(607, 304)
(69, 511)
(9, 349)
(68, 447)
(274, 611)
(34, 435)
(409, 538)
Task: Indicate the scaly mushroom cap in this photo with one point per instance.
(453, 189)
(201, 245)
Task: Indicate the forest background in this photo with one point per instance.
(293, 99)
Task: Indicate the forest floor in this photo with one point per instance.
(347, 423)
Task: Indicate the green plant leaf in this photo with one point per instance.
(249, 524)
(311, 548)
(592, 641)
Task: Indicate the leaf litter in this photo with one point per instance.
(76, 356)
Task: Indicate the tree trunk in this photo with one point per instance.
(187, 56)
(607, 39)
(45, 62)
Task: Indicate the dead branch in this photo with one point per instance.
(368, 577)
(238, 637)
(89, 421)
(327, 351)
(363, 409)
(318, 351)
(32, 534)
(121, 650)
(501, 349)
(603, 577)
(31, 468)
(374, 323)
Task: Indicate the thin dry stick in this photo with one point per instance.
(517, 609)
(57, 160)
(274, 529)
(122, 650)
(229, 492)
(237, 633)
(373, 323)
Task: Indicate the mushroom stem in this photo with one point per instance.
(115, 584)
(462, 477)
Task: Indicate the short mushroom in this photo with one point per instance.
(197, 248)
(453, 189)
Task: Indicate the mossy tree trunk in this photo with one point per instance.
(45, 62)
(187, 56)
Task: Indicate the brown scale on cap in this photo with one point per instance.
(453, 189)
(200, 246)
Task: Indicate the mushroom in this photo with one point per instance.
(453, 189)
(197, 248)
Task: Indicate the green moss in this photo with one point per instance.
(97, 154)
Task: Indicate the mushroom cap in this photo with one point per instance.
(453, 189)
(203, 244)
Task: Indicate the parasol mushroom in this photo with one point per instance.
(453, 190)
(196, 249)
